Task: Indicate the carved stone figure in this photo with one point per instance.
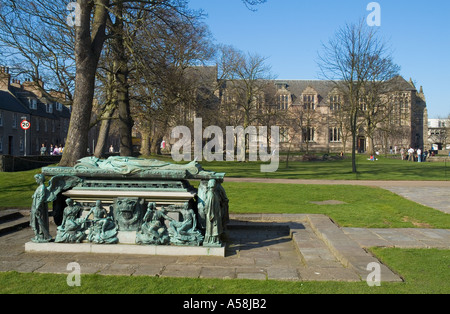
(185, 232)
(154, 230)
(72, 229)
(103, 229)
(39, 212)
(41, 197)
(213, 211)
(129, 165)
(128, 213)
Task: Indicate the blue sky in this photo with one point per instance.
(290, 32)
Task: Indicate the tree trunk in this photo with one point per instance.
(145, 143)
(288, 154)
(122, 88)
(77, 137)
(125, 120)
(354, 170)
(88, 47)
(103, 134)
(155, 147)
(370, 145)
(354, 131)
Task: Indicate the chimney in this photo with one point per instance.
(5, 78)
(58, 95)
(32, 87)
(16, 83)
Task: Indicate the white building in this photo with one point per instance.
(439, 134)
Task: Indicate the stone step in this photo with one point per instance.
(9, 214)
(12, 220)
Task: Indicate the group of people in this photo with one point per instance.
(412, 154)
(53, 151)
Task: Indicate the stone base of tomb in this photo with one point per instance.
(124, 249)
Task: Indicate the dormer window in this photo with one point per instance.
(283, 102)
(49, 108)
(281, 85)
(33, 103)
(59, 106)
(335, 102)
(309, 102)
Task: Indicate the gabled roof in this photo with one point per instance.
(324, 88)
(399, 83)
(22, 96)
(9, 102)
(297, 87)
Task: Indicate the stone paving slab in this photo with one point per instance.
(348, 251)
(400, 238)
(431, 196)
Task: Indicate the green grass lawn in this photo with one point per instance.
(424, 271)
(16, 189)
(382, 169)
(366, 207)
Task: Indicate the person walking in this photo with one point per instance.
(411, 154)
(43, 150)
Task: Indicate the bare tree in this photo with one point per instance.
(250, 4)
(84, 42)
(48, 45)
(376, 105)
(353, 59)
(339, 118)
(246, 77)
(90, 36)
(38, 45)
(106, 105)
(165, 87)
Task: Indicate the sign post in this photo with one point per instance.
(25, 125)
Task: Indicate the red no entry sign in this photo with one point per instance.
(25, 125)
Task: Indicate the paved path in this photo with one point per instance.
(435, 194)
(431, 196)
